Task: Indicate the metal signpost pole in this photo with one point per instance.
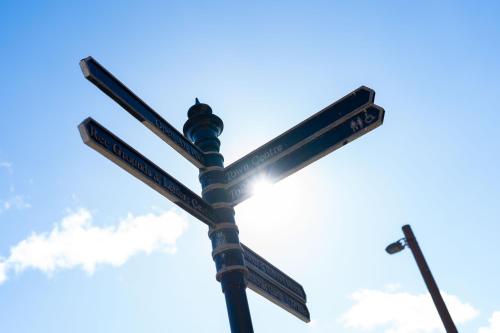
(429, 280)
(203, 128)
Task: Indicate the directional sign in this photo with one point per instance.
(352, 124)
(274, 285)
(108, 144)
(112, 87)
(296, 137)
(269, 290)
(257, 263)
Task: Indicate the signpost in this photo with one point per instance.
(223, 188)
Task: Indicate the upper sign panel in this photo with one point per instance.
(112, 87)
(298, 135)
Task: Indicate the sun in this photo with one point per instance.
(262, 188)
(274, 211)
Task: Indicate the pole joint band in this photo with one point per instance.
(214, 186)
(210, 169)
(208, 152)
(228, 269)
(224, 225)
(222, 205)
(225, 247)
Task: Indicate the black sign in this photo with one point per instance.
(299, 135)
(353, 124)
(256, 263)
(112, 87)
(108, 144)
(268, 289)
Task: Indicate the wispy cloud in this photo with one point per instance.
(401, 312)
(15, 202)
(7, 166)
(75, 242)
(494, 326)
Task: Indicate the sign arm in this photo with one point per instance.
(274, 285)
(103, 141)
(111, 86)
(355, 125)
(299, 135)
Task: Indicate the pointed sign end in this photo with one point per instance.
(369, 91)
(84, 133)
(85, 67)
(381, 110)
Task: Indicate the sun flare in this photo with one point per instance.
(275, 211)
(262, 187)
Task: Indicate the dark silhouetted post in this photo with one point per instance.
(203, 128)
(429, 280)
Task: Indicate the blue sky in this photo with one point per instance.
(71, 262)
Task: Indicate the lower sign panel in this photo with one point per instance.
(270, 290)
(265, 269)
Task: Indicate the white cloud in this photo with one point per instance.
(75, 242)
(494, 324)
(3, 272)
(400, 312)
(392, 287)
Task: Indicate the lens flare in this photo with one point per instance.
(262, 187)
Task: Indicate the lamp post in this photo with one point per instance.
(410, 241)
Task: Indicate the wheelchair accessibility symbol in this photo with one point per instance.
(369, 118)
(361, 121)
